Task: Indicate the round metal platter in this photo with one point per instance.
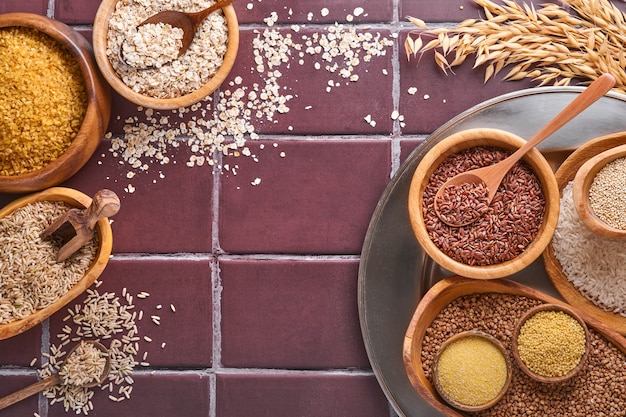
(394, 272)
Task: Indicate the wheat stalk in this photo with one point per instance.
(548, 44)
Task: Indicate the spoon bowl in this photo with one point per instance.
(56, 379)
(581, 187)
(491, 176)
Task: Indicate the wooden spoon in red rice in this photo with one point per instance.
(491, 176)
(56, 379)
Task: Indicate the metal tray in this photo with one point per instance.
(394, 272)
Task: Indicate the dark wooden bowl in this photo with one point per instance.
(105, 238)
(468, 139)
(530, 313)
(96, 117)
(100, 33)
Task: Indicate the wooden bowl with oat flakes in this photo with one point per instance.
(45, 286)
(58, 105)
(181, 83)
(519, 222)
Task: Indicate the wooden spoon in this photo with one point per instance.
(188, 22)
(580, 192)
(491, 176)
(76, 227)
(55, 379)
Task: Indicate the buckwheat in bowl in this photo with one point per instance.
(182, 82)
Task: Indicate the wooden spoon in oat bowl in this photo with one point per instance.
(462, 199)
(164, 37)
(87, 364)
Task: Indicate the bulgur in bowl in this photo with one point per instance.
(513, 230)
(180, 83)
(54, 102)
(33, 286)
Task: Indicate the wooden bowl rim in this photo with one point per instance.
(449, 289)
(455, 143)
(582, 184)
(95, 120)
(514, 345)
(105, 237)
(100, 31)
(498, 344)
(565, 288)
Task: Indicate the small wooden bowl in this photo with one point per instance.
(514, 342)
(580, 190)
(105, 237)
(456, 143)
(100, 33)
(96, 117)
(453, 402)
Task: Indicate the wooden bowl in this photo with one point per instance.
(582, 184)
(105, 237)
(454, 402)
(443, 293)
(96, 118)
(523, 366)
(456, 143)
(100, 33)
(566, 173)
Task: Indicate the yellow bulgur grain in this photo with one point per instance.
(43, 100)
(472, 371)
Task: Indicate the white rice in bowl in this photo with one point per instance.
(595, 265)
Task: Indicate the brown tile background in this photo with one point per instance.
(263, 277)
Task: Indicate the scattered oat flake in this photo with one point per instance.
(324, 12)
(358, 11)
(256, 181)
(412, 90)
(426, 96)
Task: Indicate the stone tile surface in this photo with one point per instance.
(179, 294)
(299, 394)
(290, 314)
(258, 252)
(332, 185)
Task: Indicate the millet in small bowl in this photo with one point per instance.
(550, 343)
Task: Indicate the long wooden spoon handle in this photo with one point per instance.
(591, 94)
(198, 17)
(30, 390)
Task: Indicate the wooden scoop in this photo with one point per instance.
(491, 176)
(55, 379)
(76, 227)
(188, 22)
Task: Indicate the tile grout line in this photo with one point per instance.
(216, 288)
